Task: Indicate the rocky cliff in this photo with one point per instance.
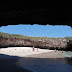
(11, 40)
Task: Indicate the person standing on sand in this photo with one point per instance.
(62, 51)
(55, 50)
(37, 49)
(33, 48)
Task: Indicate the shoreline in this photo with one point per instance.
(53, 54)
(44, 61)
(20, 63)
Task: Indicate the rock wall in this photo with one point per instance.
(41, 43)
(69, 45)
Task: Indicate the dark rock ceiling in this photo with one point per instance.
(42, 16)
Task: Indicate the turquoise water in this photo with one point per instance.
(67, 54)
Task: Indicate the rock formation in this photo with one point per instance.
(69, 45)
(46, 43)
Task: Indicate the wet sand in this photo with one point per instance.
(53, 54)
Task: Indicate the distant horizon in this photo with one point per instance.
(35, 30)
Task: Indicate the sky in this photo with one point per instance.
(38, 30)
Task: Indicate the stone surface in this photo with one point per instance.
(41, 43)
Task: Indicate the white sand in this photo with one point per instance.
(22, 51)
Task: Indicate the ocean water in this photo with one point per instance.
(68, 54)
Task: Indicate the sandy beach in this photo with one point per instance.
(22, 51)
(10, 56)
(24, 59)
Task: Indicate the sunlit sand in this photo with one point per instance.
(22, 51)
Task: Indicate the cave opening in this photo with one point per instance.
(44, 37)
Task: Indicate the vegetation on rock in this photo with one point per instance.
(8, 40)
